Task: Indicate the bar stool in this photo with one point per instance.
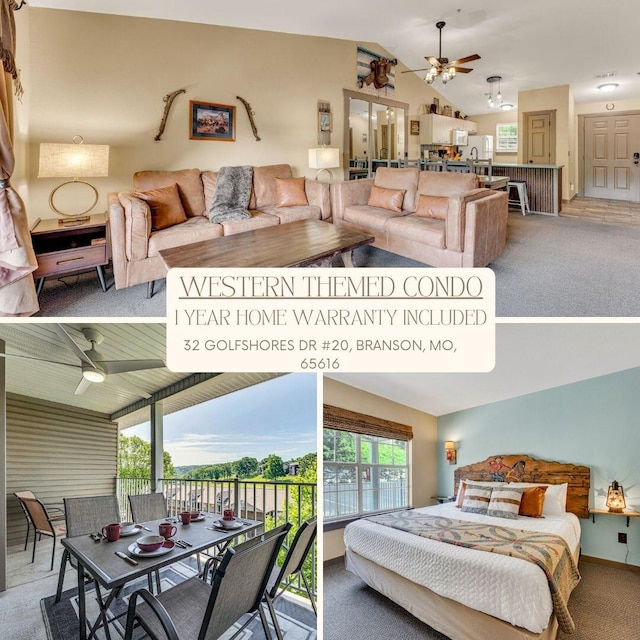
(523, 198)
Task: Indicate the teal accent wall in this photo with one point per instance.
(595, 423)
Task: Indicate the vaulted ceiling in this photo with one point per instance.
(531, 45)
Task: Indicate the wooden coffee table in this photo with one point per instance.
(294, 244)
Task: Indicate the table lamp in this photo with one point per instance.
(74, 161)
(615, 498)
(324, 159)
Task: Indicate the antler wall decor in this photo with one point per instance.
(250, 113)
(168, 100)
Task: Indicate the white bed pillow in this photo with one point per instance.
(555, 498)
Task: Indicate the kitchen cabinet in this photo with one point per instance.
(436, 129)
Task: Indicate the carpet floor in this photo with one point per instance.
(605, 606)
(297, 621)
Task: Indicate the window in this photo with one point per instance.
(507, 137)
(363, 474)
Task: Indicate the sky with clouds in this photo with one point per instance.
(277, 416)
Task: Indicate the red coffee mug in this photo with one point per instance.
(185, 517)
(227, 514)
(111, 532)
(167, 530)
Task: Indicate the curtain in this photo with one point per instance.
(346, 420)
(17, 258)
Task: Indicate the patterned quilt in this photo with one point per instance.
(548, 551)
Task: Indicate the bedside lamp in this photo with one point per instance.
(73, 161)
(615, 498)
(324, 158)
(450, 448)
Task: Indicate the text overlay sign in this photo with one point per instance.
(350, 320)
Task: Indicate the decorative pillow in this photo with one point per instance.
(532, 502)
(505, 502)
(476, 499)
(165, 205)
(555, 499)
(478, 483)
(390, 199)
(290, 192)
(433, 207)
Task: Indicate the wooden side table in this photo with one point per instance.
(62, 249)
(627, 513)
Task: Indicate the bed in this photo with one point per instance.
(462, 592)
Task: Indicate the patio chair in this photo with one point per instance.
(42, 525)
(84, 516)
(147, 507)
(55, 513)
(197, 610)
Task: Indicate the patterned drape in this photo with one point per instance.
(17, 259)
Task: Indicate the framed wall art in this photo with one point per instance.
(414, 127)
(209, 121)
(324, 121)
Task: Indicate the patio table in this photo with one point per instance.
(99, 560)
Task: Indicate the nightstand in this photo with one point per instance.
(62, 249)
(443, 499)
(627, 513)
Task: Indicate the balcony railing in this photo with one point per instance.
(273, 503)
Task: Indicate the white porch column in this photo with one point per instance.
(157, 447)
(3, 470)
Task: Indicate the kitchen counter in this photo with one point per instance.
(544, 184)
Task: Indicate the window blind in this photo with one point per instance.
(346, 420)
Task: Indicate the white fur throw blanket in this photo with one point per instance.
(231, 197)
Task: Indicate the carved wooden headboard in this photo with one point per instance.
(520, 468)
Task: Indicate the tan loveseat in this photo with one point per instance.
(459, 226)
(135, 244)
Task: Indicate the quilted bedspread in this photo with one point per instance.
(548, 551)
(508, 588)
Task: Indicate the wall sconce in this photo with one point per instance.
(615, 498)
(450, 448)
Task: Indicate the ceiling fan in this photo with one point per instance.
(93, 366)
(441, 66)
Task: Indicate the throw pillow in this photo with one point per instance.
(390, 199)
(433, 207)
(532, 502)
(476, 499)
(165, 205)
(290, 192)
(505, 502)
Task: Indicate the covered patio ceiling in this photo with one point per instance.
(51, 371)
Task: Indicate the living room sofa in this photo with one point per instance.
(456, 224)
(135, 243)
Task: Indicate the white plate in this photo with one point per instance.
(200, 518)
(165, 548)
(136, 529)
(237, 525)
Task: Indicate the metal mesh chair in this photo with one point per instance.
(147, 507)
(197, 610)
(55, 513)
(42, 525)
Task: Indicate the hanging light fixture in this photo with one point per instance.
(497, 100)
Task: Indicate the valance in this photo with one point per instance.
(346, 420)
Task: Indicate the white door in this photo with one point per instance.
(611, 170)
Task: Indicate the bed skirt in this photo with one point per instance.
(451, 618)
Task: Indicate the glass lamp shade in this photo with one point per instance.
(615, 498)
(73, 160)
(324, 158)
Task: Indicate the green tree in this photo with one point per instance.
(307, 462)
(246, 467)
(272, 467)
(134, 458)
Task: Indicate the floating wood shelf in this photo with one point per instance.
(628, 513)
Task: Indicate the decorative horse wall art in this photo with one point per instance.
(379, 73)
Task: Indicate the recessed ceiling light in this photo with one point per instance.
(608, 87)
(506, 106)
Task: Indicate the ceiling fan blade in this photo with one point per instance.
(412, 70)
(71, 343)
(15, 355)
(475, 56)
(123, 366)
(83, 385)
(434, 61)
(463, 70)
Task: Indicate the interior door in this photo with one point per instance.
(611, 168)
(540, 135)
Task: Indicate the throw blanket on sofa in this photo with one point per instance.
(548, 551)
(232, 194)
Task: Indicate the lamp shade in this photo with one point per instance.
(449, 444)
(324, 158)
(73, 160)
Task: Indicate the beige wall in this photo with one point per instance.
(104, 77)
(487, 127)
(423, 480)
(601, 107)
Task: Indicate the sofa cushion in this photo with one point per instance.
(292, 214)
(137, 226)
(386, 198)
(432, 207)
(418, 229)
(406, 179)
(446, 183)
(209, 182)
(264, 183)
(290, 192)
(258, 220)
(165, 206)
(371, 219)
(189, 186)
(193, 230)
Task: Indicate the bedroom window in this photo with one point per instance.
(363, 474)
